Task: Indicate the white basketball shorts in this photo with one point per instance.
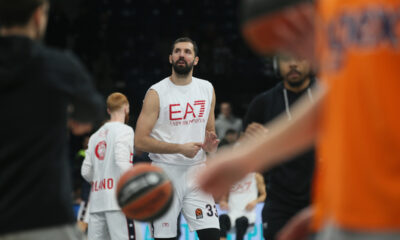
(197, 207)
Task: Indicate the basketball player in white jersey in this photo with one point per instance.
(109, 154)
(240, 204)
(176, 126)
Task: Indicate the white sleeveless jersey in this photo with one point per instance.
(183, 117)
(240, 195)
(109, 154)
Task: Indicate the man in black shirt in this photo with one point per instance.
(37, 84)
(288, 185)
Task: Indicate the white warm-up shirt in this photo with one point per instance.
(240, 195)
(109, 154)
(183, 117)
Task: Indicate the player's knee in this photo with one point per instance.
(225, 224)
(209, 234)
(242, 222)
(225, 221)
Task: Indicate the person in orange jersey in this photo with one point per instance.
(354, 121)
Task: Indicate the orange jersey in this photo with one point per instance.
(359, 52)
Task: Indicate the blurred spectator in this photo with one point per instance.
(231, 136)
(240, 205)
(289, 184)
(39, 83)
(226, 120)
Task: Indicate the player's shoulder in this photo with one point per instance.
(117, 126)
(201, 81)
(95, 134)
(258, 176)
(160, 85)
(123, 129)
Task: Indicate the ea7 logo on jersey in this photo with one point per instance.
(195, 110)
(241, 187)
(100, 150)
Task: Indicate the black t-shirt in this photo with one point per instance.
(36, 86)
(288, 184)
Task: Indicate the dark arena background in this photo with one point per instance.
(125, 44)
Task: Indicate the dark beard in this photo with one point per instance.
(182, 70)
(296, 84)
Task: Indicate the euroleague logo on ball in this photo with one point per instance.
(100, 150)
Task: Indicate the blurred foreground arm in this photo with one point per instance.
(283, 140)
(86, 104)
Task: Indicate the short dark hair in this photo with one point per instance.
(230, 131)
(17, 12)
(185, 39)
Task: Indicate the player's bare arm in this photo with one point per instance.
(146, 121)
(285, 139)
(262, 194)
(211, 141)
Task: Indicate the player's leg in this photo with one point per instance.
(225, 225)
(208, 234)
(241, 224)
(200, 212)
(97, 228)
(166, 226)
(199, 208)
(138, 230)
(178, 226)
(120, 227)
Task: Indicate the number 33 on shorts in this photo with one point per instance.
(211, 211)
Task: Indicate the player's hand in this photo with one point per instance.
(295, 31)
(190, 149)
(222, 171)
(251, 205)
(82, 226)
(210, 142)
(79, 128)
(224, 205)
(255, 129)
(298, 226)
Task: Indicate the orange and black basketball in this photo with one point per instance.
(144, 192)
